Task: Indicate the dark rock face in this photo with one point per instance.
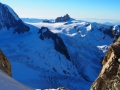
(21, 27)
(109, 78)
(5, 64)
(58, 42)
(63, 19)
(9, 19)
(6, 18)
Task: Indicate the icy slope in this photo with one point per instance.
(7, 83)
(37, 63)
(27, 53)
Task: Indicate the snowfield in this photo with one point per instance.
(36, 63)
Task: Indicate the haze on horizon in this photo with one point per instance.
(100, 9)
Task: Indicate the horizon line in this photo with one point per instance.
(74, 18)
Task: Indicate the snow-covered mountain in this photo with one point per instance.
(65, 18)
(60, 55)
(9, 19)
(52, 55)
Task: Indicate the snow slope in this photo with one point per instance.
(7, 83)
(9, 19)
(36, 63)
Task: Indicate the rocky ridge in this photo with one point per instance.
(109, 78)
(5, 64)
(58, 42)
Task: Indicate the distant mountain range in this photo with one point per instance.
(34, 20)
(102, 21)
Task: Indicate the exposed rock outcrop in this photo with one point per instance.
(9, 19)
(5, 64)
(109, 78)
(63, 19)
(58, 42)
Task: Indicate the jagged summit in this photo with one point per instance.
(9, 19)
(63, 19)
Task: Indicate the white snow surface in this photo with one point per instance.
(116, 27)
(104, 48)
(36, 63)
(8, 83)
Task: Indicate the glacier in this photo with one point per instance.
(36, 63)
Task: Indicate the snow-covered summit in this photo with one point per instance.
(12, 12)
(9, 19)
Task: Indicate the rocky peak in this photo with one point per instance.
(9, 19)
(5, 64)
(109, 78)
(63, 19)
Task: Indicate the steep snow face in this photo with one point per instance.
(9, 19)
(7, 83)
(12, 12)
(35, 62)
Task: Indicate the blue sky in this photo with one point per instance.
(101, 9)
